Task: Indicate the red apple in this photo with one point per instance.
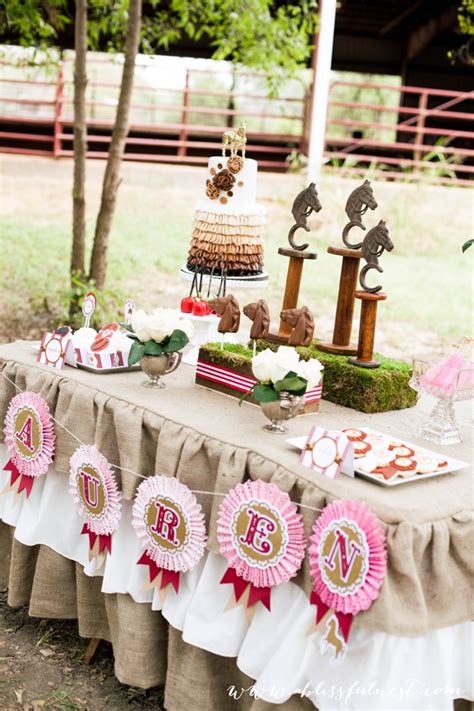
(200, 307)
(187, 304)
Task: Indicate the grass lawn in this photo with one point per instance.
(427, 279)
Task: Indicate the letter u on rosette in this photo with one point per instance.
(348, 560)
(30, 439)
(170, 524)
(262, 536)
(94, 488)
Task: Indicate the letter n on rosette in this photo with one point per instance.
(30, 439)
(262, 536)
(94, 488)
(348, 561)
(170, 525)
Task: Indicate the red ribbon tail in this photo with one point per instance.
(153, 568)
(105, 542)
(11, 467)
(259, 595)
(26, 484)
(230, 577)
(321, 607)
(91, 534)
(170, 577)
(345, 622)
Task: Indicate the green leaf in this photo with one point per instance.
(153, 348)
(292, 384)
(137, 351)
(467, 244)
(127, 327)
(265, 393)
(176, 342)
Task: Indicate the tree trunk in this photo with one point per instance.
(111, 182)
(80, 141)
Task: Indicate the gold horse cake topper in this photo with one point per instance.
(235, 141)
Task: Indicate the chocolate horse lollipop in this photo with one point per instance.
(229, 310)
(302, 322)
(260, 315)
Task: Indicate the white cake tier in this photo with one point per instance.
(244, 190)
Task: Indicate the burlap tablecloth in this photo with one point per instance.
(211, 444)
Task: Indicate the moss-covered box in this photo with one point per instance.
(367, 390)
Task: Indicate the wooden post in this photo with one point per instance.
(183, 136)
(368, 319)
(292, 288)
(91, 650)
(341, 339)
(57, 142)
(420, 124)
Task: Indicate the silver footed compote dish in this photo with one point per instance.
(155, 366)
(279, 411)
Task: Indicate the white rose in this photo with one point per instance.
(187, 327)
(286, 360)
(162, 323)
(140, 325)
(262, 365)
(310, 370)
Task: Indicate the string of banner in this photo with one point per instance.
(259, 529)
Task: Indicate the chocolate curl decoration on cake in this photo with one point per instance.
(304, 204)
(229, 310)
(167, 577)
(302, 322)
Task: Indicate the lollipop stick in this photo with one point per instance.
(254, 348)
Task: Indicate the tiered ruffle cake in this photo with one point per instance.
(228, 222)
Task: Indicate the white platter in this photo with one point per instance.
(453, 465)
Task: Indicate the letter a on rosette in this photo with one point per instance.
(94, 488)
(348, 560)
(262, 536)
(30, 439)
(170, 524)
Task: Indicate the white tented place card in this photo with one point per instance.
(328, 453)
(56, 349)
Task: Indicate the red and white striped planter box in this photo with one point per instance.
(237, 380)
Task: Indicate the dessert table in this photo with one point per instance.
(411, 649)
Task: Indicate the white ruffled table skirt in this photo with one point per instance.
(380, 671)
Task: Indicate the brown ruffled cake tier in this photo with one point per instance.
(232, 241)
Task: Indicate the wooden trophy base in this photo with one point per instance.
(349, 350)
(368, 317)
(277, 338)
(341, 338)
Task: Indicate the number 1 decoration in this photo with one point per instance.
(94, 489)
(30, 439)
(262, 536)
(348, 560)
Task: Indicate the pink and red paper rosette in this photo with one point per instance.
(348, 561)
(262, 536)
(170, 524)
(95, 492)
(30, 439)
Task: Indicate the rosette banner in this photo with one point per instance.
(170, 524)
(94, 489)
(30, 439)
(262, 536)
(348, 560)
